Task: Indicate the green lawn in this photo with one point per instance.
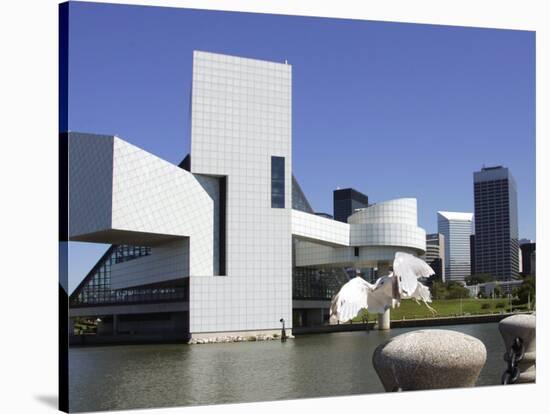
(409, 309)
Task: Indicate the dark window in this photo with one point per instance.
(356, 251)
(222, 232)
(277, 182)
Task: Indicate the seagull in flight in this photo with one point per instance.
(386, 292)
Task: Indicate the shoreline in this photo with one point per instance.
(406, 323)
(109, 340)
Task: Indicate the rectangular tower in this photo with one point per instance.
(435, 253)
(241, 130)
(527, 249)
(496, 224)
(473, 254)
(345, 201)
(456, 228)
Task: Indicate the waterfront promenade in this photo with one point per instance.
(409, 323)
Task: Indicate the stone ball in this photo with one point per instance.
(523, 326)
(429, 359)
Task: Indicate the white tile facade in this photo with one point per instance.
(147, 196)
(312, 227)
(397, 211)
(241, 117)
(389, 223)
(90, 183)
(167, 261)
(379, 231)
(319, 255)
(151, 195)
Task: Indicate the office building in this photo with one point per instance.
(346, 201)
(527, 249)
(473, 254)
(435, 254)
(496, 223)
(456, 228)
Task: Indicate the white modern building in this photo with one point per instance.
(456, 228)
(225, 242)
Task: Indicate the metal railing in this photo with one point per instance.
(129, 296)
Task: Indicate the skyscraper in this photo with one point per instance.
(496, 224)
(527, 249)
(473, 254)
(435, 253)
(456, 228)
(346, 201)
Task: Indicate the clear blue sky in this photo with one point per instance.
(390, 109)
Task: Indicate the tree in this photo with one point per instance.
(439, 290)
(527, 290)
(478, 278)
(497, 291)
(435, 278)
(449, 290)
(456, 290)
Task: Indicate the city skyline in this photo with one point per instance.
(446, 85)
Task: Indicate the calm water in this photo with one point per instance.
(141, 376)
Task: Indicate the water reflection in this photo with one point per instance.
(140, 376)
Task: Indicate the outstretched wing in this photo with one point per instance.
(408, 269)
(380, 297)
(349, 301)
(422, 293)
(358, 294)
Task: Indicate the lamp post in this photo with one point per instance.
(283, 330)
